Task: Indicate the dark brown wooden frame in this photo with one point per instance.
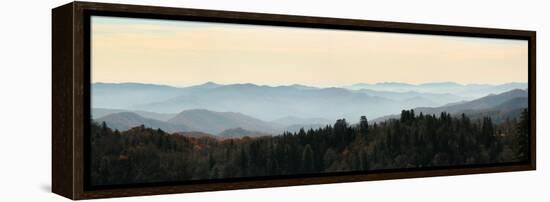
(69, 49)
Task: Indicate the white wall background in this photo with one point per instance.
(25, 101)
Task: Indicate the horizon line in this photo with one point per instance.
(308, 85)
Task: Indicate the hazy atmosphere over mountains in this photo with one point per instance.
(259, 109)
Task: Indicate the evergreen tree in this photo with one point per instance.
(364, 125)
(307, 159)
(142, 155)
(522, 137)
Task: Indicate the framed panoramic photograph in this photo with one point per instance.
(155, 100)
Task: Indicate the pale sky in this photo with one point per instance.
(183, 53)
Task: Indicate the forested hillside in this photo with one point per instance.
(144, 155)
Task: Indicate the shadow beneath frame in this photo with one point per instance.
(46, 188)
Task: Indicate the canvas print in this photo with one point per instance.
(187, 101)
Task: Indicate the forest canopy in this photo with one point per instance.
(147, 155)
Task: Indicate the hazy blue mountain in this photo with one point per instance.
(416, 99)
(240, 132)
(199, 122)
(507, 110)
(273, 102)
(126, 95)
(207, 85)
(292, 103)
(126, 120)
(467, 91)
(514, 103)
(101, 112)
(303, 87)
(269, 103)
(215, 122)
(486, 102)
(497, 106)
(293, 120)
(393, 86)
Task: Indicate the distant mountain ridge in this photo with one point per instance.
(198, 120)
(215, 122)
(292, 120)
(273, 102)
(427, 99)
(101, 112)
(226, 124)
(269, 103)
(202, 122)
(466, 90)
(486, 102)
(217, 109)
(124, 95)
(126, 120)
(496, 106)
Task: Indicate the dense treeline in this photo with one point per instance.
(142, 155)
